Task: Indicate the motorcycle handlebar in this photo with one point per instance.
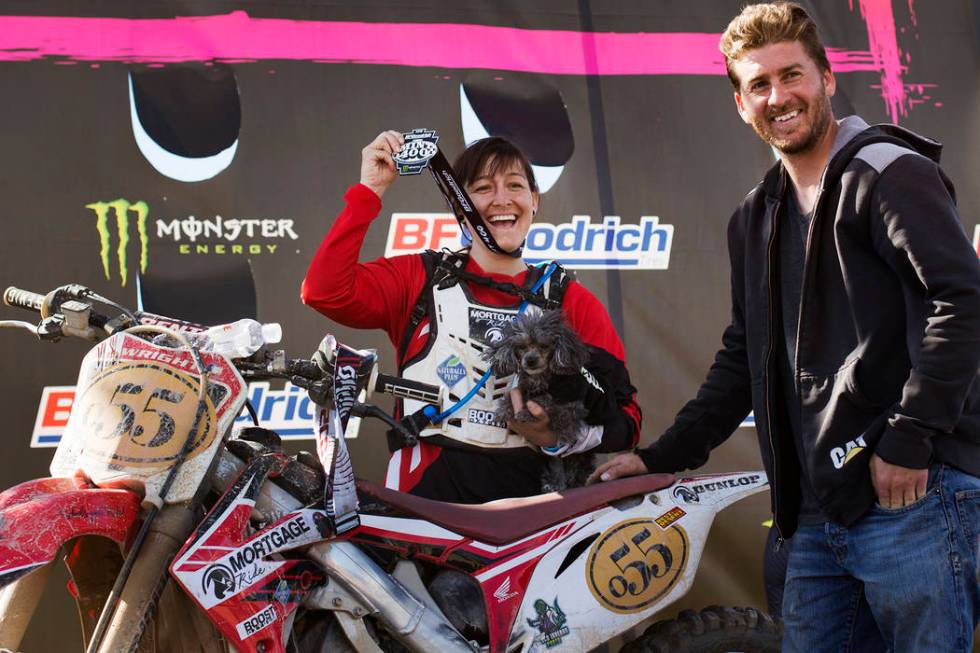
(386, 383)
(408, 389)
(25, 299)
(393, 385)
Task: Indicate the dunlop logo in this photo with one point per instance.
(123, 210)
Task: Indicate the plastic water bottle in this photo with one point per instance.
(242, 338)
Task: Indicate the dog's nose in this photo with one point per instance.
(532, 359)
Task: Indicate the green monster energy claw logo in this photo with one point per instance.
(121, 208)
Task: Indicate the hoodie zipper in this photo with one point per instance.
(769, 348)
(799, 316)
(806, 267)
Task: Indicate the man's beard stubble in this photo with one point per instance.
(819, 125)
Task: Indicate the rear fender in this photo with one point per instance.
(38, 517)
(718, 490)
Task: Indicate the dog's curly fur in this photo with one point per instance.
(536, 345)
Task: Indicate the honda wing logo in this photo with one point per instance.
(122, 210)
(504, 592)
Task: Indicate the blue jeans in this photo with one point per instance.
(897, 580)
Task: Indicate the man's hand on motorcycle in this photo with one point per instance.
(537, 432)
(378, 170)
(897, 486)
(625, 464)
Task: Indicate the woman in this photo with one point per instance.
(438, 310)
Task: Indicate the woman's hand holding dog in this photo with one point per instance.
(537, 432)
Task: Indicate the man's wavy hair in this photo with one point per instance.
(764, 24)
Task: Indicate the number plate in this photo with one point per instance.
(136, 404)
(139, 414)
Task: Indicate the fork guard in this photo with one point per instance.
(39, 516)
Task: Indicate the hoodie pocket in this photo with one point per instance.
(840, 425)
(852, 389)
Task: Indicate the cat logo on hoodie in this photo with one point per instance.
(840, 456)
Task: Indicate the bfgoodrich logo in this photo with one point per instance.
(581, 244)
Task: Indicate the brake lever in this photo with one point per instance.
(51, 328)
(370, 410)
(320, 392)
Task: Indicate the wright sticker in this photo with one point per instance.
(634, 563)
(139, 415)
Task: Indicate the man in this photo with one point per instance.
(855, 337)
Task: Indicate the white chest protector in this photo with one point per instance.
(463, 328)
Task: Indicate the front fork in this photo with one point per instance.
(18, 600)
(147, 578)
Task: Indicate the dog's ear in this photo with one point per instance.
(503, 356)
(570, 354)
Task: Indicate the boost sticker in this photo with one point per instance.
(634, 563)
(257, 622)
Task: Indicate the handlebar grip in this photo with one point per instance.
(23, 299)
(304, 368)
(408, 389)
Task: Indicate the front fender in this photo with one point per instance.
(38, 516)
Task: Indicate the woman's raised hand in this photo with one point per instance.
(378, 169)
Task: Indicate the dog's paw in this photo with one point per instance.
(524, 416)
(504, 412)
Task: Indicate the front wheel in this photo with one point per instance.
(715, 629)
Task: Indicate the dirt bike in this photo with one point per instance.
(182, 533)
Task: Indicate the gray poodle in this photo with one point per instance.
(537, 346)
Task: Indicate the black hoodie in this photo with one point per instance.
(888, 352)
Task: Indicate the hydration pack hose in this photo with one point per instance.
(432, 413)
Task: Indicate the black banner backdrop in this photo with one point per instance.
(198, 148)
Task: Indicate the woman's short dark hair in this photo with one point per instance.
(490, 155)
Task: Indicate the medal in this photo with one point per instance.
(420, 146)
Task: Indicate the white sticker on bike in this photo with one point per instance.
(257, 622)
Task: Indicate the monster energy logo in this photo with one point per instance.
(121, 209)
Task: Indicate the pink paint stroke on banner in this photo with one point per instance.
(883, 43)
(237, 38)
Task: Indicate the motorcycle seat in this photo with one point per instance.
(508, 520)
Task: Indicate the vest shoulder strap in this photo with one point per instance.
(553, 292)
(438, 268)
